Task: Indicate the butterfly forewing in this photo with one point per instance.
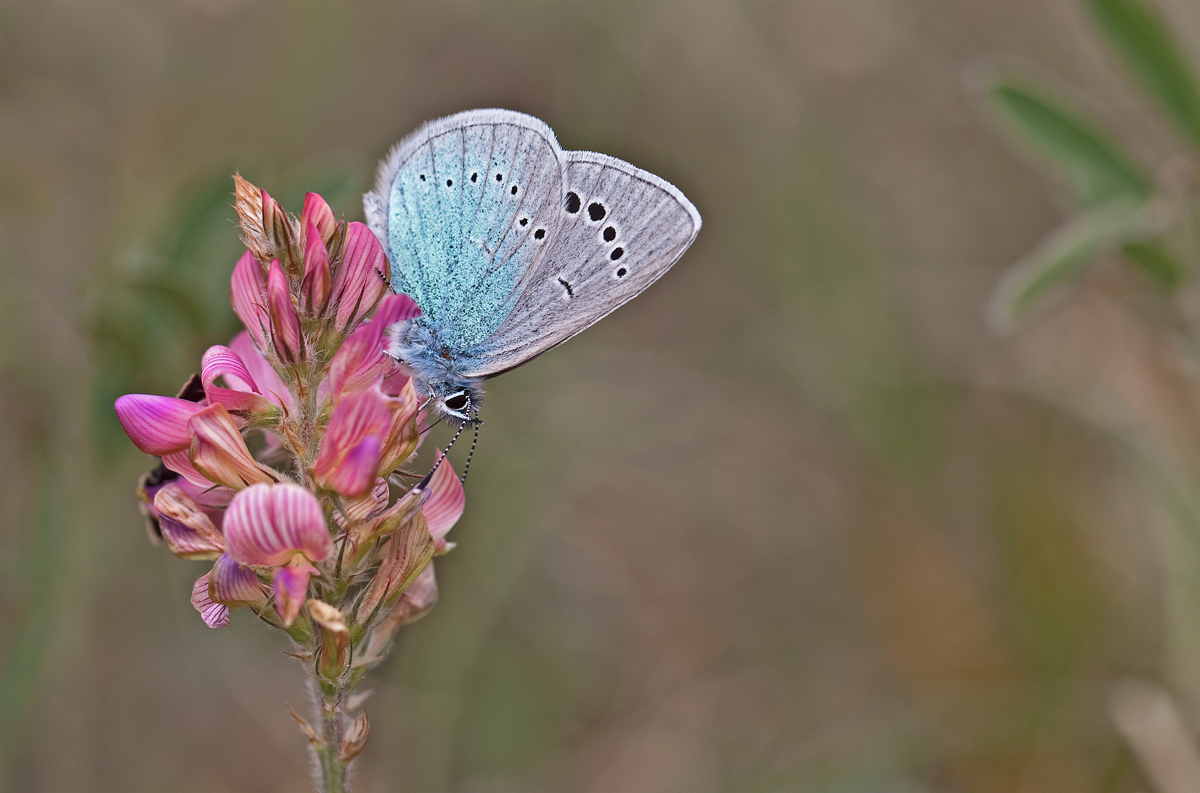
(621, 229)
(449, 204)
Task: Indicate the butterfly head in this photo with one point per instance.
(436, 371)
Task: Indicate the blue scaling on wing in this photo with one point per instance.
(465, 206)
(512, 228)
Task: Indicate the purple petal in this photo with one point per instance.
(291, 588)
(354, 475)
(214, 614)
(267, 524)
(157, 425)
(186, 543)
(234, 584)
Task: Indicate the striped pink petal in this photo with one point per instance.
(291, 590)
(214, 614)
(358, 415)
(268, 524)
(219, 452)
(269, 383)
(156, 424)
(362, 278)
(234, 584)
(242, 393)
(248, 294)
(359, 362)
(317, 213)
(187, 543)
(315, 286)
(181, 463)
(174, 502)
(355, 474)
(446, 500)
(285, 324)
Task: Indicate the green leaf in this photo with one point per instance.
(1065, 253)
(1152, 258)
(1093, 163)
(1151, 53)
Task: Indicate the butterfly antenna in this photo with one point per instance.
(445, 454)
(474, 441)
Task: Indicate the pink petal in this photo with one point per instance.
(355, 474)
(242, 394)
(180, 463)
(186, 543)
(270, 384)
(214, 614)
(156, 424)
(446, 500)
(316, 283)
(318, 213)
(248, 294)
(285, 325)
(219, 452)
(234, 584)
(395, 382)
(394, 308)
(359, 362)
(291, 589)
(268, 524)
(361, 279)
(357, 415)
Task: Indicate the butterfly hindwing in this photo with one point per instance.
(448, 205)
(620, 229)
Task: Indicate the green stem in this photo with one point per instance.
(331, 719)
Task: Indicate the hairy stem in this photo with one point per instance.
(329, 702)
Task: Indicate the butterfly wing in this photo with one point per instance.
(465, 207)
(620, 229)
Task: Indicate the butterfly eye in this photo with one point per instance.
(458, 401)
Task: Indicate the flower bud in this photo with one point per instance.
(355, 738)
(248, 202)
(317, 213)
(314, 289)
(362, 278)
(285, 325)
(334, 655)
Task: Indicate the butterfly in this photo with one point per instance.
(510, 246)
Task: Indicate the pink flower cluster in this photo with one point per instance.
(331, 419)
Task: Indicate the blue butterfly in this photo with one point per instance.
(511, 246)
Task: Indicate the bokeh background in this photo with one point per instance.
(793, 520)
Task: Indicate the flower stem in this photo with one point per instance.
(329, 702)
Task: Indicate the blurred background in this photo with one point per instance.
(794, 520)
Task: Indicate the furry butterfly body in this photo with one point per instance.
(511, 245)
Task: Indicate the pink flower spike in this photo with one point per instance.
(358, 414)
(268, 524)
(269, 383)
(242, 395)
(234, 584)
(355, 474)
(157, 425)
(214, 614)
(248, 294)
(315, 286)
(285, 325)
(362, 278)
(291, 590)
(219, 452)
(446, 500)
(317, 213)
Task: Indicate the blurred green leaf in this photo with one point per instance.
(1092, 162)
(1065, 253)
(1152, 258)
(1142, 36)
